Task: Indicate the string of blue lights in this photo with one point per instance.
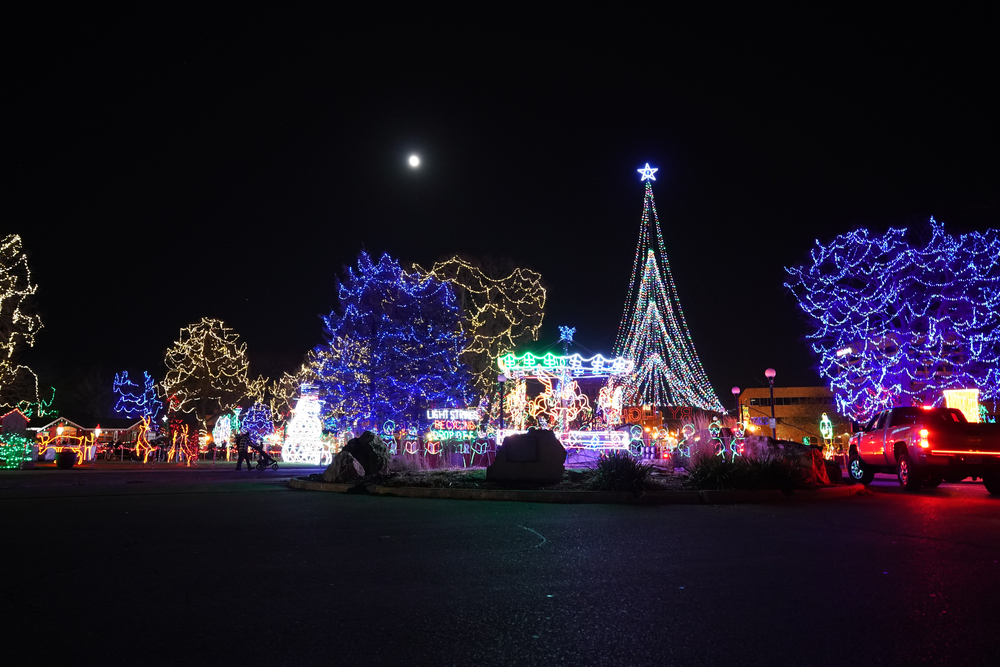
(897, 323)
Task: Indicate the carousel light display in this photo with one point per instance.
(497, 313)
(136, 404)
(559, 403)
(653, 332)
(562, 404)
(897, 323)
(553, 365)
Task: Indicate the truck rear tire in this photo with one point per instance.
(906, 474)
(992, 484)
(859, 472)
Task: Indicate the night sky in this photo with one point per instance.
(160, 172)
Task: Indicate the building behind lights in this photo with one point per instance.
(798, 411)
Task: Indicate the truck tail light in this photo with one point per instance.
(924, 442)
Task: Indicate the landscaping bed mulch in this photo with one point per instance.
(574, 479)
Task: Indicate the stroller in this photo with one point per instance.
(264, 460)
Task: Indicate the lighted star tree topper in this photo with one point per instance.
(653, 331)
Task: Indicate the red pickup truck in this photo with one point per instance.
(925, 446)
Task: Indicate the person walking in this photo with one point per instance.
(242, 441)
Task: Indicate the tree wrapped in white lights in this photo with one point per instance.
(18, 326)
(501, 309)
(207, 371)
(653, 331)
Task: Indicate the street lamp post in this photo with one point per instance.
(736, 397)
(769, 374)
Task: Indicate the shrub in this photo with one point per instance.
(716, 472)
(618, 470)
(65, 459)
(774, 472)
(409, 462)
(761, 470)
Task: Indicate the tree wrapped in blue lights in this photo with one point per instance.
(393, 349)
(257, 421)
(132, 403)
(898, 322)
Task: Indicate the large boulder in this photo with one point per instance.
(535, 457)
(370, 451)
(343, 468)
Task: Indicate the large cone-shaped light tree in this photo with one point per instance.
(653, 331)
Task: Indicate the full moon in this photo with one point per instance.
(414, 161)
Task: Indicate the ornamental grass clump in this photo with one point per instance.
(717, 473)
(618, 470)
(761, 470)
(774, 471)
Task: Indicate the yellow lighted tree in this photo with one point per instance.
(207, 371)
(18, 326)
(502, 307)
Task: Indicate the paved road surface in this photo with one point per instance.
(248, 572)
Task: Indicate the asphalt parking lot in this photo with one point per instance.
(242, 570)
